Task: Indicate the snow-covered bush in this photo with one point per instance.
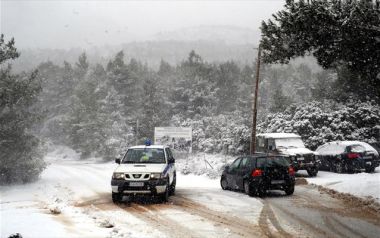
(228, 134)
(320, 122)
(211, 165)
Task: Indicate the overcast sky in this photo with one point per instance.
(73, 23)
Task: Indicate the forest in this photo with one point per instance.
(94, 108)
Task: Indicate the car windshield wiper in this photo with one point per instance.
(129, 162)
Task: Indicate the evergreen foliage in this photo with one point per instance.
(20, 154)
(104, 104)
(346, 37)
(321, 122)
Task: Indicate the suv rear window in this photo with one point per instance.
(271, 162)
(144, 155)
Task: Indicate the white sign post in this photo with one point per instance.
(177, 138)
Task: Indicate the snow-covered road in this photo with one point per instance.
(79, 193)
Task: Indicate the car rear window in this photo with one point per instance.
(271, 162)
(356, 149)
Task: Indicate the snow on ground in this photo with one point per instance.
(48, 207)
(359, 184)
(65, 201)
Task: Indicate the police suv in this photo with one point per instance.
(145, 170)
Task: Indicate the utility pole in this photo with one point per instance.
(137, 132)
(254, 116)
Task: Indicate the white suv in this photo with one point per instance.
(145, 170)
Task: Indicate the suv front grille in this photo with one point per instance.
(137, 176)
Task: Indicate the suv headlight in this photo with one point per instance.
(156, 175)
(118, 176)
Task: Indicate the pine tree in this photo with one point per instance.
(345, 36)
(21, 158)
(195, 88)
(228, 79)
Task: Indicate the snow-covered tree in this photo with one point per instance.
(320, 122)
(346, 36)
(20, 156)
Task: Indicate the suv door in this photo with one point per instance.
(231, 173)
(171, 165)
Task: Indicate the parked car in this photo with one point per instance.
(348, 156)
(255, 174)
(145, 170)
(376, 146)
(291, 146)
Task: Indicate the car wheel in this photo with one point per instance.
(261, 191)
(312, 172)
(289, 190)
(348, 168)
(116, 198)
(224, 183)
(331, 167)
(172, 186)
(247, 189)
(165, 195)
(370, 169)
(339, 167)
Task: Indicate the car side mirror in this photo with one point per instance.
(117, 161)
(227, 167)
(171, 161)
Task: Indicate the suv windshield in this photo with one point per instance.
(289, 143)
(145, 156)
(271, 162)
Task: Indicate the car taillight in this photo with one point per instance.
(352, 155)
(257, 173)
(291, 171)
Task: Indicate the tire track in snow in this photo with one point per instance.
(164, 224)
(301, 221)
(268, 214)
(238, 227)
(357, 234)
(327, 214)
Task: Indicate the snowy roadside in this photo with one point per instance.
(68, 197)
(363, 185)
(62, 199)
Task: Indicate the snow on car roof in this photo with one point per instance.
(353, 142)
(340, 146)
(149, 146)
(279, 135)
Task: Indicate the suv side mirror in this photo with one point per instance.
(171, 161)
(117, 161)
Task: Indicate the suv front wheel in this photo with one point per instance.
(172, 186)
(165, 196)
(312, 171)
(116, 197)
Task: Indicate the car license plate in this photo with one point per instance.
(301, 158)
(277, 181)
(367, 157)
(136, 184)
(369, 162)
